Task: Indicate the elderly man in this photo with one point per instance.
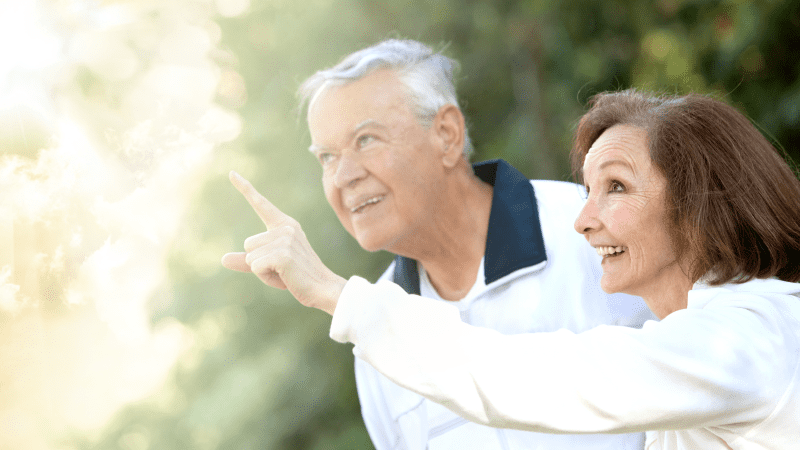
(394, 148)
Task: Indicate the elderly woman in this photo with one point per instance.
(691, 209)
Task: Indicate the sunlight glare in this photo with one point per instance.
(87, 223)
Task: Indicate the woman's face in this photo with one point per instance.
(625, 219)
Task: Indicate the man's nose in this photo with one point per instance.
(587, 220)
(349, 170)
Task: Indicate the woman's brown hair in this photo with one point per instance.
(734, 202)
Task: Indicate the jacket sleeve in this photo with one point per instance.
(695, 368)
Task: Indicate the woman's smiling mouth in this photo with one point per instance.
(606, 251)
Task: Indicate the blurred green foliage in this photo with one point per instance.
(270, 377)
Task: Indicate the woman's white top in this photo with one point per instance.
(723, 373)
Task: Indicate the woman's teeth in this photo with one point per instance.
(610, 251)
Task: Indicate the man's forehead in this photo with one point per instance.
(381, 88)
(372, 101)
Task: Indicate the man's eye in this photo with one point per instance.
(365, 139)
(616, 186)
(325, 158)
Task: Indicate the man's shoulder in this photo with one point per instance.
(559, 200)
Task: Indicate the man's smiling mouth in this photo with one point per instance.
(370, 201)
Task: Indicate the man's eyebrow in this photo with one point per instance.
(365, 124)
(314, 148)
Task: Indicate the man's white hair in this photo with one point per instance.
(426, 75)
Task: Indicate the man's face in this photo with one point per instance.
(379, 165)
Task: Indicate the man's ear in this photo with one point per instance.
(449, 127)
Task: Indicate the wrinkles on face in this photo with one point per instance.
(626, 207)
(376, 159)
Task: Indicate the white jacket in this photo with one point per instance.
(722, 374)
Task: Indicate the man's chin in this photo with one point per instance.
(370, 246)
(371, 242)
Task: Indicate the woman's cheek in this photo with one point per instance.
(620, 218)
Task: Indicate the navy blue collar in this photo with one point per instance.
(514, 240)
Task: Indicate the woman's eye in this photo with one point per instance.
(365, 139)
(616, 186)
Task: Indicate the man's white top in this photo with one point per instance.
(558, 290)
(722, 374)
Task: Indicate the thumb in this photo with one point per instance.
(236, 261)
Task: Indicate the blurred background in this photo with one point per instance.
(119, 121)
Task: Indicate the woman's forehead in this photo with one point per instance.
(624, 145)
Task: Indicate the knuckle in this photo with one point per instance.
(248, 245)
(251, 243)
(285, 240)
(283, 256)
(288, 222)
(260, 266)
(255, 241)
(253, 259)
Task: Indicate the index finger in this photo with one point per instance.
(269, 213)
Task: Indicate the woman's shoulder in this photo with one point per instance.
(764, 319)
(754, 292)
(758, 311)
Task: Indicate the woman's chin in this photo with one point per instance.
(609, 285)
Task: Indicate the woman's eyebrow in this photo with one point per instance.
(614, 162)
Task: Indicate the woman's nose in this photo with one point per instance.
(587, 220)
